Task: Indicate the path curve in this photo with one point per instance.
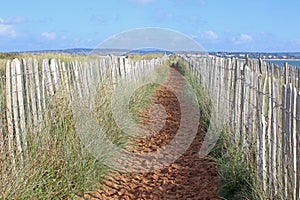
(189, 177)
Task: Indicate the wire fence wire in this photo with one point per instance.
(261, 106)
(259, 102)
(28, 88)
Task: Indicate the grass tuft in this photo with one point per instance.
(56, 166)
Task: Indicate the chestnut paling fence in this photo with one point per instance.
(28, 86)
(259, 101)
(260, 104)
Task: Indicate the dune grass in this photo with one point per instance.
(237, 177)
(56, 165)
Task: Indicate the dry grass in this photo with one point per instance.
(56, 165)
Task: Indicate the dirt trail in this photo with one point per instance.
(189, 177)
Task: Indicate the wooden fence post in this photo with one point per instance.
(298, 146)
(26, 93)
(54, 74)
(15, 107)
(2, 137)
(21, 107)
(274, 134)
(293, 142)
(39, 98)
(270, 139)
(288, 139)
(241, 103)
(298, 84)
(262, 133)
(234, 101)
(9, 115)
(32, 95)
(286, 73)
(284, 142)
(258, 134)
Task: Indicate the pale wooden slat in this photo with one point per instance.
(26, 93)
(65, 76)
(77, 82)
(293, 142)
(258, 126)
(15, 107)
(43, 90)
(252, 126)
(242, 106)
(262, 133)
(276, 93)
(9, 111)
(2, 136)
(286, 73)
(48, 78)
(53, 74)
(21, 106)
(71, 79)
(274, 132)
(39, 91)
(298, 146)
(270, 139)
(32, 95)
(246, 116)
(234, 101)
(85, 81)
(284, 142)
(288, 139)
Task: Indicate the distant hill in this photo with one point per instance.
(149, 51)
(77, 51)
(86, 51)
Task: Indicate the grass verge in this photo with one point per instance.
(56, 166)
(237, 176)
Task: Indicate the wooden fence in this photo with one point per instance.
(28, 87)
(260, 104)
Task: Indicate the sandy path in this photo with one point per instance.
(189, 177)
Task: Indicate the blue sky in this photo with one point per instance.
(218, 25)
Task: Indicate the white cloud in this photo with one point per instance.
(243, 38)
(63, 37)
(7, 26)
(49, 35)
(210, 35)
(7, 30)
(297, 42)
(14, 20)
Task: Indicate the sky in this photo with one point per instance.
(217, 25)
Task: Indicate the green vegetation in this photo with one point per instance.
(237, 176)
(203, 99)
(141, 98)
(56, 166)
(144, 57)
(9, 56)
